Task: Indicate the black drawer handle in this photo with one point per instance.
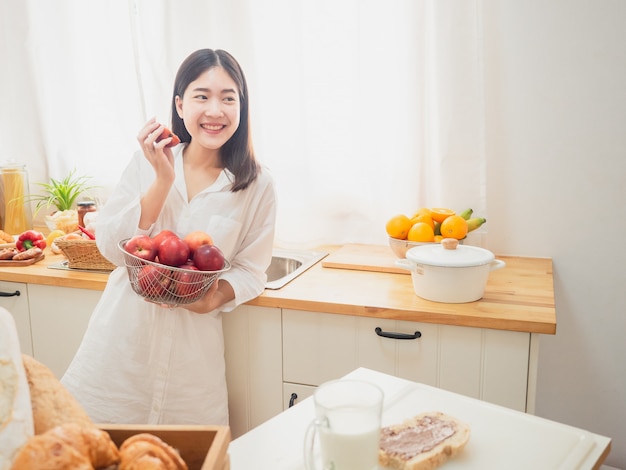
(386, 334)
(9, 294)
(292, 399)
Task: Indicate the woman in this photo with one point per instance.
(140, 362)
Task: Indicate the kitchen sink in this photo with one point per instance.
(286, 265)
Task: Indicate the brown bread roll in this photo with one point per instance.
(68, 446)
(51, 402)
(147, 451)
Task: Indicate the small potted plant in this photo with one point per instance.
(62, 195)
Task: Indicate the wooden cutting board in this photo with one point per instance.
(358, 257)
(24, 262)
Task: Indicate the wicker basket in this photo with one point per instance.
(168, 285)
(84, 254)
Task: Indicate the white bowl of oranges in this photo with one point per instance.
(429, 225)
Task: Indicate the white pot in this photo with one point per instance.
(449, 272)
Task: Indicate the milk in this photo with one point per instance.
(349, 451)
(347, 424)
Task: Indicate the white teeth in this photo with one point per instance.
(212, 127)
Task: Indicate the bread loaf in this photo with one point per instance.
(423, 442)
(16, 419)
(52, 404)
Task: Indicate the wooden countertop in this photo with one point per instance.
(519, 297)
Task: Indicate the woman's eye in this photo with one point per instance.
(200, 97)
(229, 98)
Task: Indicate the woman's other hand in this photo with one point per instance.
(218, 294)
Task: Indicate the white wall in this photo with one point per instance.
(556, 145)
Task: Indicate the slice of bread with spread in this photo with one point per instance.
(422, 442)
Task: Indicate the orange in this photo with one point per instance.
(421, 211)
(421, 232)
(426, 218)
(439, 214)
(398, 227)
(438, 238)
(454, 226)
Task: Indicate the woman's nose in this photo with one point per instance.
(213, 108)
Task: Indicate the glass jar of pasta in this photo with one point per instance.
(15, 211)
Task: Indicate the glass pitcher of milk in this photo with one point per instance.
(347, 424)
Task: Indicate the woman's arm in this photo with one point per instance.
(162, 161)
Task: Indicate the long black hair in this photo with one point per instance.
(237, 154)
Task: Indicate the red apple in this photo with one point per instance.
(153, 281)
(187, 283)
(167, 133)
(208, 258)
(162, 235)
(196, 239)
(142, 247)
(173, 251)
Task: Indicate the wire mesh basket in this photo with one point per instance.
(168, 285)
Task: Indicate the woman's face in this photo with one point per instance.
(210, 108)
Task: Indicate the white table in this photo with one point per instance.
(500, 437)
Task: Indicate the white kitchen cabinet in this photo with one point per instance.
(253, 352)
(59, 318)
(295, 393)
(14, 298)
(492, 365)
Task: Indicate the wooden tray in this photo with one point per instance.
(201, 447)
(378, 258)
(25, 262)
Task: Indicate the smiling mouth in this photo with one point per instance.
(212, 127)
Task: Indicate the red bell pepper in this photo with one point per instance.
(30, 239)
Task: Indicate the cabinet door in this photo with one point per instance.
(295, 393)
(318, 347)
(14, 298)
(59, 318)
(253, 351)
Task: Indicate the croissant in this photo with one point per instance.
(148, 452)
(68, 446)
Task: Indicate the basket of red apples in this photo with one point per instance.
(170, 270)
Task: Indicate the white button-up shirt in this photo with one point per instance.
(141, 363)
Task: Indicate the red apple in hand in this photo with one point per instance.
(173, 251)
(142, 247)
(153, 281)
(167, 133)
(208, 258)
(196, 239)
(162, 235)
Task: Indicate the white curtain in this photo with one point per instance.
(361, 109)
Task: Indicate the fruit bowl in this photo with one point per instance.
(400, 247)
(168, 285)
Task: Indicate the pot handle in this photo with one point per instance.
(497, 264)
(405, 264)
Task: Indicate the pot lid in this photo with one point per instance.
(450, 253)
